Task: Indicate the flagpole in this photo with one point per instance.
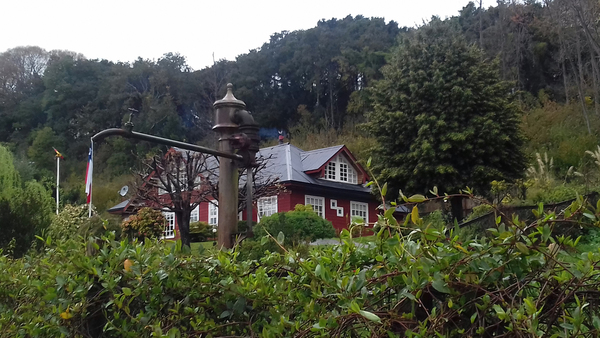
(92, 163)
(57, 181)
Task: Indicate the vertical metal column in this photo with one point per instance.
(57, 182)
(228, 174)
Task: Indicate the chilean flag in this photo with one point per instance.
(88, 175)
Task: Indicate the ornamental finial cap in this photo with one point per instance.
(230, 100)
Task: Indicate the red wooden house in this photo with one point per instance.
(329, 179)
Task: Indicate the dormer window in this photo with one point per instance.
(339, 169)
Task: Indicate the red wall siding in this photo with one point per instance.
(297, 197)
(284, 201)
(203, 212)
(338, 222)
(288, 199)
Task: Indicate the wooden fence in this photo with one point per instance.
(524, 212)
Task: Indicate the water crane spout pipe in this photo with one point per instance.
(238, 145)
(151, 138)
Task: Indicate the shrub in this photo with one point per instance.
(68, 222)
(26, 208)
(243, 226)
(299, 225)
(148, 223)
(428, 283)
(73, 222)
(555, 194)
(479, 211)
(201, 231)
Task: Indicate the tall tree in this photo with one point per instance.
(25, 207)
(188, 178)
(179, 176)
(443, 118)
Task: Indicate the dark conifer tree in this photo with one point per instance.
(443, 117)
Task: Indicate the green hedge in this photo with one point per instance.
(518, 281)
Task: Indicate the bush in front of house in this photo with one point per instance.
(243, 226)
(148, 223)
(299, 225)
(73, 221)
(201, 231)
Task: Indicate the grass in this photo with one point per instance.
(196, 246)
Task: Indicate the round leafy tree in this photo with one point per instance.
(443, 117)
(148, 223)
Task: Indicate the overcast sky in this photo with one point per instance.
(122, 30)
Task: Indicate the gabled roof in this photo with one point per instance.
(315, 159)
(288, 163)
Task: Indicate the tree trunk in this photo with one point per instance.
(183, 222)
(561, 41)
(457, 208)
(481, 24)
(580, 84)
(563, 57)
(595, 81)
(565, 81)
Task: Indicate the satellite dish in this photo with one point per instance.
(124, 190)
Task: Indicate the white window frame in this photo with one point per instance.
(195, 214)
(340, 169)
(315, 206)
(266, 206)
(213, 213)
(169, 231)
(339, 210)
(355, 209)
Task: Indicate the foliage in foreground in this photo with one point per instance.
(417, 279)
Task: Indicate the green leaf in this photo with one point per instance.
(318, 270)
(384, 190)
(439, 284)
(280, 237)
(127, 291)
(590, 216)
(418, 198)
(370, 183)
(224, 314)
(240, 305)
(499, 311)
(567, 326)
(414, 215)
(264, 240)
(370, 316)
(473, 317)
(369, 163)
(522, 247)
(389, 213)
